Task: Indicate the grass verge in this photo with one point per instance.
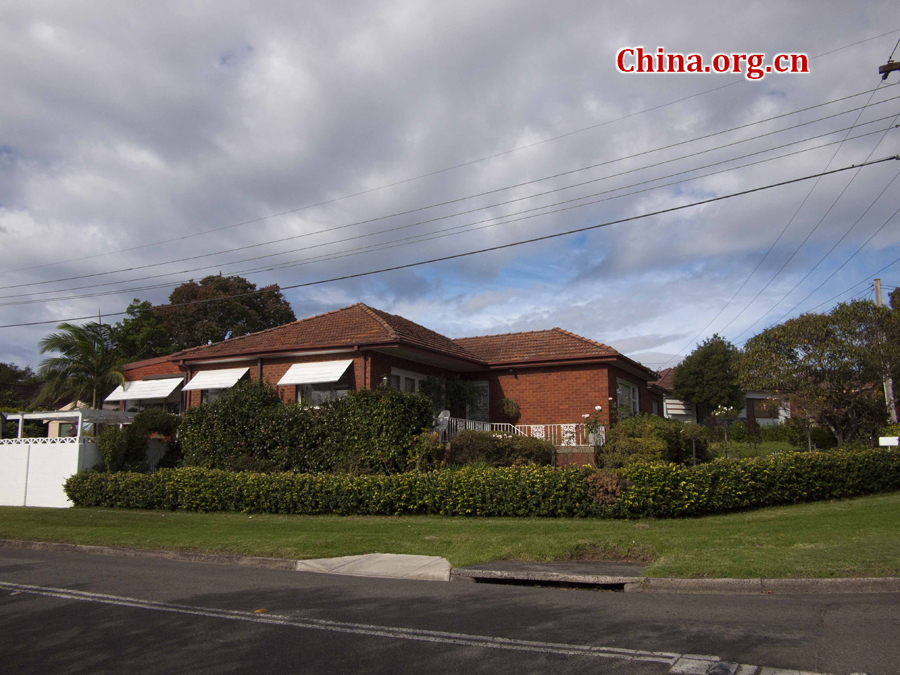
(852, 538)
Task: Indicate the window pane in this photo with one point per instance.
(395, 382)
(409, 385)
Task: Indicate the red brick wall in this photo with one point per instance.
(552, 395)
(166, 368)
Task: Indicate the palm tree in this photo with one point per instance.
(88, 368)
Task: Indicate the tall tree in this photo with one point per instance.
(10, 373)
(199, 324)
(709, 376)
(829, 366)
(141, 334)
(87, 367)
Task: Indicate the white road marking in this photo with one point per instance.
(686, 664)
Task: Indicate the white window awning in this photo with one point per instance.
(315, 373)
(143, 389)
(216, 379)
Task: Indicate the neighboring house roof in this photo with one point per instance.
(666, 378)
(358, 324)
(539, 345)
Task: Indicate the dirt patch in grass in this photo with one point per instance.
(637, 553)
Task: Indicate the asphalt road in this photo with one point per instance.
(76, 613)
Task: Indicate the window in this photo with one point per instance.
(655, 406)
(210, 395)
(627, 398)
(406, 381)
(761, 409)
(317, 394)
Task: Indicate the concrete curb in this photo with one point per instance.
(628, 584)
(178, 556)
(666, 585)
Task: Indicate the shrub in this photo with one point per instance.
(530, 491)
(364, 432)
(125, 449)
(426, 452)
(647, 438)
(668, 490)
(490, 448)
(509, 408)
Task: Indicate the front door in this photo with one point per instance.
(478, 410)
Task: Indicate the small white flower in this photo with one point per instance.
(598, 408)
(585, 416)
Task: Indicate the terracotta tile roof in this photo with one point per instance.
(357, 324)
(665, 378)
(540, 345)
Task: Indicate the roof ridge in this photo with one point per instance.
(265, 330)
(588, 340)
(374, 313)
(521, 332)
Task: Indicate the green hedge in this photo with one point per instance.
(657, 490)
(497, 492)
(368, 431)
(669, 490)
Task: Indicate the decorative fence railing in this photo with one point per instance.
(46, 441)
(561, 435)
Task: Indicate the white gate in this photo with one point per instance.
(34, 470)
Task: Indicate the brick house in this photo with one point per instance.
(554, 376)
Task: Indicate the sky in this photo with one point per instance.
(142, 143)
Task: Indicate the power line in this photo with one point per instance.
(494, 191)
(802, 243)
(777, 239)
(824, 257)
(444, 232)
(431, 173)
(494, 248)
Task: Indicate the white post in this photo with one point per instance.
(21, 424)
(78, 430)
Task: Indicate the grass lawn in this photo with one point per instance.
(854, 537)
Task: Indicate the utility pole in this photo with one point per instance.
(888, 381)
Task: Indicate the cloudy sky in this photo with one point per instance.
(141, 145)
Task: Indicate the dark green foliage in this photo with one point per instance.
(427, 451)
(493, 448)
(125, 449)
(829, 366)
(10, 373)
(669, 490)
(527, 491)
(141, 335)
(648, 438)
(87, 367)
(709, 375)
(371, 430)
(216, 432)
(509, 408)
(246, 310)
(365, 432)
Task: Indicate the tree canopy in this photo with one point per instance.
(709, 375)
(141, 334)
(10, 373)
(199, 324)
(830, 366)
(87, 368)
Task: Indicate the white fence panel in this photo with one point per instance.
(13, 472)
(33, 471)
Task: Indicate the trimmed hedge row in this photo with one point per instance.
(513, 491)
(668, 490)
(657, 490)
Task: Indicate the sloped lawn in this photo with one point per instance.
(854, 537)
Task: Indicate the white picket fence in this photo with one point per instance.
(561, 435)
